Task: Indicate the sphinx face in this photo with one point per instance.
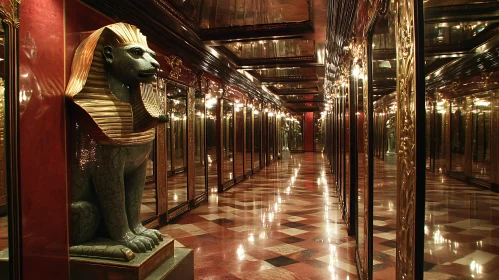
(131, 64)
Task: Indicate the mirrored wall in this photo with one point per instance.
(148, 209)
(177, 110)
(227, 141)
(200, 156)
(239, 141)
(248, 168)
(257, 122)
(296, 136)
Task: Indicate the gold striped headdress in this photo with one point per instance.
(112, 121)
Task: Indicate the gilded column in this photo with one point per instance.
(411, 139)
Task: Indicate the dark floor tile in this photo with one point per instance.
(390, 243)
(293, 225)
(428, 266)
(291, 239)
(383, 228)
(223, 221)
(281, 261)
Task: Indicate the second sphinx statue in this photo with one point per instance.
(112, 98)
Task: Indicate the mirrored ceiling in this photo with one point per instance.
(227, 13)
(287, 72)
(272, 48)
(302, 98)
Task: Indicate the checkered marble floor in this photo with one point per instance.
(283, 223)
(461, 232)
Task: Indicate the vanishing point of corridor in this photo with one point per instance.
(283, 223)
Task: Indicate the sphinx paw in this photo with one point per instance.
(153, 234)
(139, 244)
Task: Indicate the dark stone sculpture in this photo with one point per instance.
(114, 103)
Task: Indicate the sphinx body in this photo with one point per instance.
(112, 98)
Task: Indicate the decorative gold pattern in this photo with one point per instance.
(10, 18)
(406, 144)
(177, 66)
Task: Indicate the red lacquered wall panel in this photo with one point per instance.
(309, 132)
(43, 151)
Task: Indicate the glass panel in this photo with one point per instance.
(258, 138)
(271, 132)
(177, 109)
(385, 163)
(481, 136)
(458, 134)
(249, 140)
(211, 142)
(228, 140)
(296, 133)
(225, 13)
(148, 207)
(361, 230)
(200, 145)
(319, 132)
(240, 140)
(272, 48)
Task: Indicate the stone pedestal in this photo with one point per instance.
(163, 262)
(286, 154)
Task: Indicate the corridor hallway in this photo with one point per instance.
(282, 223)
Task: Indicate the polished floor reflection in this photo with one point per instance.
(282, 223)
(462, 230)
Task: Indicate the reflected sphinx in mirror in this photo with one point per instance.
(112, 98)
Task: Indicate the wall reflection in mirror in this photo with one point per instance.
(461, 136)
(200, 156)
(384, 133)
(319, 132)
(249, 140)
(211, 139)
(296, 133)
(271, 132)
(149, 199)
(177, 110)
(227, 141)
(258, 138)
(239, 145)
(358, 91)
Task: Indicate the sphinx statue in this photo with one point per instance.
(112, 99)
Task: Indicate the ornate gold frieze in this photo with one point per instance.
(12, 17)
